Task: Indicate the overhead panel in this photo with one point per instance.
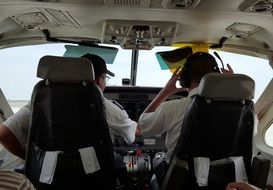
(130, 34)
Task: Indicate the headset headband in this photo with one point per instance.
(200, 57)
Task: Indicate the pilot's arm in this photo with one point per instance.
(169, 89)
(119, 122)
(138, 132)
(10, 142)
(14, 132)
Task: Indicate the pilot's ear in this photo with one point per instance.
(100, 80)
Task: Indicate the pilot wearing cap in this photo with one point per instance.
(14, 131)
(118, 120)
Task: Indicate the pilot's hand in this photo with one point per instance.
(138, 132)
(170, 87)
(240, 186)
(229, 70)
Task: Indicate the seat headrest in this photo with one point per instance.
(64, 69)
(227, 86)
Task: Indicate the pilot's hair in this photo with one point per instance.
(197, 65)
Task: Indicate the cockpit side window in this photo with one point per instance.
(269, 135)
(18, 67)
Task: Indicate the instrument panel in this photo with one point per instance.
(134, 100)
(134, 161)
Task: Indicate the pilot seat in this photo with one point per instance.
(215, 144)
(69, 146)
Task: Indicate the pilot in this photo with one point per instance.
(14, 131)
(166, 117)
(118, 120)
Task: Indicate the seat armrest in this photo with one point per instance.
(260, 170)
(176, 175)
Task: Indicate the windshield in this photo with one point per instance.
(18, 68)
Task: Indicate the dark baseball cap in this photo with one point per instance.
(98, 64)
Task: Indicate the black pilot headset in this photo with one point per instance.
(185, 76)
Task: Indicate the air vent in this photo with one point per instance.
(128, 3)
(257, 6)
(261, 6)
(179, 4)
(62, 17)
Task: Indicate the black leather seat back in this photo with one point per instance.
(218, 127)
(68, 115)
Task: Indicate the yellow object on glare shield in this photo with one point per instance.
(177, 57)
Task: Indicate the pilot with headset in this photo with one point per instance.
(166, 117)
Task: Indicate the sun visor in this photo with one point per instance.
(174, 58)
(107, 53)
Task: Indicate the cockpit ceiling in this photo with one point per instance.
(204, 5)
(145, 23)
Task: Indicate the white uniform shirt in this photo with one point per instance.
(118, 121)
(13, 180)
(19, 124)
(167, 118)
